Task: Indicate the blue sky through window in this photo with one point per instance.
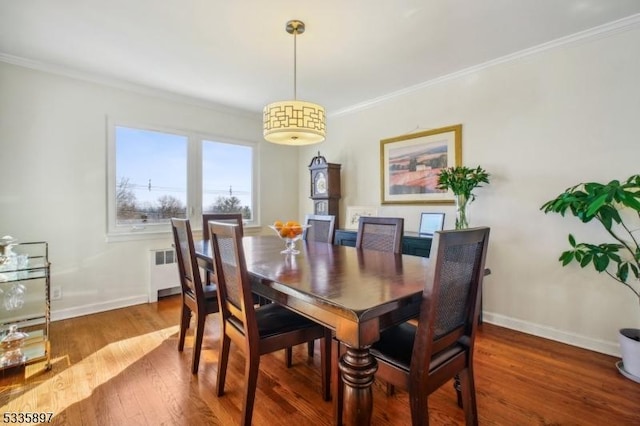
(155, 163)
(226, 170)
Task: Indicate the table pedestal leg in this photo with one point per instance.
(358, 368)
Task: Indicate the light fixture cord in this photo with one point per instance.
(295, 61)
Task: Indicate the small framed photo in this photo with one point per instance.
(410, 164)
(354, 213)
(430, 223)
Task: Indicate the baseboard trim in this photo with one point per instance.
(94, 308)
(602, 346)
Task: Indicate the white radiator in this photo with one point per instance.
(163, 273)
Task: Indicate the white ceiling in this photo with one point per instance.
(237, 53)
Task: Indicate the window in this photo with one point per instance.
(151, 176)
(155, 175)
(227, 178)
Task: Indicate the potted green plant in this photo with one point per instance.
(616, 206)
(461, 181)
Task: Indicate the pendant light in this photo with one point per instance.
(294, 122)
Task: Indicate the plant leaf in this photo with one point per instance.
(623, 272)
(595, 205)
(600, 262)
(566, 258)
(586, 260)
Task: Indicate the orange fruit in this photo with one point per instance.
(284, 231)
(296, 229)
(277, 224)
(291, 223)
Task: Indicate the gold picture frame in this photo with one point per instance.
(410, 164)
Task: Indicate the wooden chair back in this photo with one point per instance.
(256, 331)
(444, 338)
(380, 233)
(234, 287)
(322, 228)
(451, 300)
(190, 279)
(196, 298)
(235, 218)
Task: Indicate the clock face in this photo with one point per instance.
(321, 183)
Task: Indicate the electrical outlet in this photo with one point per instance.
(56, 293)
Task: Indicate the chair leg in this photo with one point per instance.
(390, 389)
(197, 343)
(185, 318)
(252, 366)
(468, 396)
(337, 387)
(288, 354)
(310, 348)
(419, 409)
(325, 364)
(458, 387)
(223, 360)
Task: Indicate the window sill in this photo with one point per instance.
(157, 235)
(137, 236)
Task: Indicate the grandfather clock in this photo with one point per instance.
(325, 187)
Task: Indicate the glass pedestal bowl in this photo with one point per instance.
(290, 234)
(11, 345)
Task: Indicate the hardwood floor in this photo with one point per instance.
(122, 368)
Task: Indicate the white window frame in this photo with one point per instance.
(194, 182)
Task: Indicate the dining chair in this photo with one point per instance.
(321, 229)
(236, 218)
(226, 218)
(220, 217)
(380, 233)
(422, 358)
(256, 330)
(196, 298)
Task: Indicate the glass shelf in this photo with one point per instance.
(35, 348)
(25, 303)
(33, 263)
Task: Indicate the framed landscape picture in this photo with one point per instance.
(410, 164)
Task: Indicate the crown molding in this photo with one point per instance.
(595, 33)
(124, 85)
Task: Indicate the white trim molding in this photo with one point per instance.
(94, 308)
(602, 346)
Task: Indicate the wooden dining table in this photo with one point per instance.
(355, 292)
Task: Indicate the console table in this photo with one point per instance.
(412, 243)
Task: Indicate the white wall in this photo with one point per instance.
(53, 173)
(538, 124)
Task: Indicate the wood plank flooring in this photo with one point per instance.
(122, 368)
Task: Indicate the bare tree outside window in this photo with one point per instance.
(170, 206)
(230, 205)
(126, 202)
